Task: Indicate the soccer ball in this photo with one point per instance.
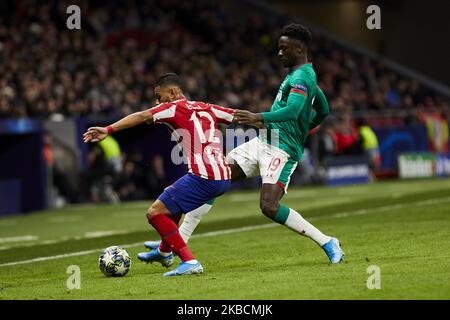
(114, 262)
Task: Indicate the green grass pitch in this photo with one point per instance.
(403, 227)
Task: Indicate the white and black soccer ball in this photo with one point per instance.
(114, 262)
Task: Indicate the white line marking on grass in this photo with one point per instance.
(250, 228)
(73, 254)
(41, 243)
(382, 209)
(99, 234)
(16, 239)
(87, 235)
(136, 244)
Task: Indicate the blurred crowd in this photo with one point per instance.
(113, 175)
(108, 67)
(224, 52)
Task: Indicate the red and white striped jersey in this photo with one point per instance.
(195, 126)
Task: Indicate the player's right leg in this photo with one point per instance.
(163, 215)
(276, 169)
(157, 255)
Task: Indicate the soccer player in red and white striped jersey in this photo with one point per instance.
(199, 135)
(195, 124)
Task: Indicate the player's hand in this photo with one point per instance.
(95, 134)
(247, 117)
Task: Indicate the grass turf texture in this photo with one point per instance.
(402, 227)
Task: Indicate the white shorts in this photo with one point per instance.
(257, 157)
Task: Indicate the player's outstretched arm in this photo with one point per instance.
(298, 95)
(294, 106)
(96, 134)
(295, 103)
(321, 109)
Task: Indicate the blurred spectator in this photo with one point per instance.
(139, 181)
(369, 146)
(327, 143)
(346, 136)
(156, 176)
(62, 189)
(103, 172)
(128, 183)
(111, 151)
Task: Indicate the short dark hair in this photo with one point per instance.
(298, 32)
(169, 79)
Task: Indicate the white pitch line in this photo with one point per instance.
(87, 235)
(136, 244)
(20, 238)
(249, 228)
(73, 254)
(103, 233)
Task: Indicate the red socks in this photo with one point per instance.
(168, 230)
(164, 246)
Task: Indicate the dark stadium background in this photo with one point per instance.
(55, 82)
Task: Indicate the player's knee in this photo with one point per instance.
(157, 208)
(151, 213)
(269, 209)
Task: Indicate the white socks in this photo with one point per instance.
(191, 221)
(296, 223)
(164, 254)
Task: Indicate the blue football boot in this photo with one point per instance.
(154, 255)
(333, 250)
(185, 268)
(152, 244)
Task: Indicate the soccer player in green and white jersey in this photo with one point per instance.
(298, 107)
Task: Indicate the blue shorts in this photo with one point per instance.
(190, 192)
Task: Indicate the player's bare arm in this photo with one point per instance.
(96, 134)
